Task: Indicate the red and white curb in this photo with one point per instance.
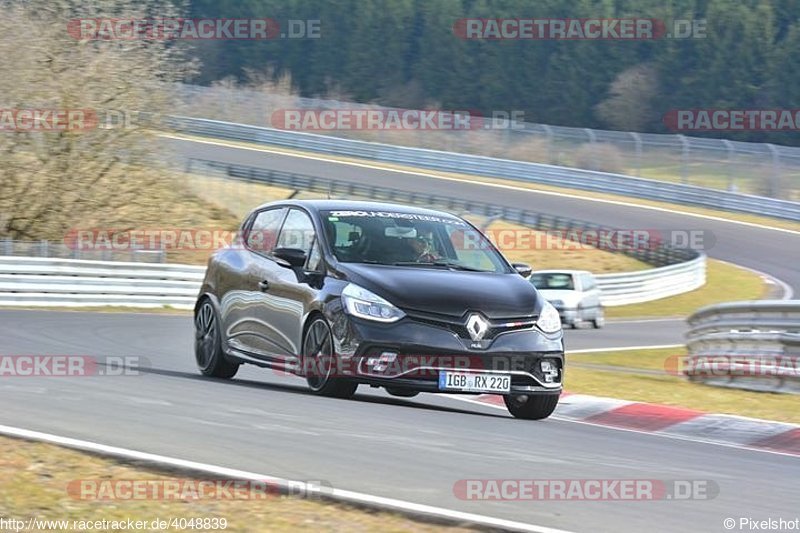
(674, 421)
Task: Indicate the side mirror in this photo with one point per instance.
(523, 270)
(294, 256)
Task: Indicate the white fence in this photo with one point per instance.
(36, 281)
(654, 284)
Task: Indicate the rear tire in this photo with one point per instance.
(318, 345)
(531, 406)
(599, 320)
(208, 344)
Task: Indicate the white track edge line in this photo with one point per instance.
(346, 496)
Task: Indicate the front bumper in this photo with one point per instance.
(422, 350)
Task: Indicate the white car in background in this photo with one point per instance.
(574, 293)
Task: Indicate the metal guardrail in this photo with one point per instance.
(678, 270)
(500, 168)
(752, 345)
(648, 285)
(35, 282)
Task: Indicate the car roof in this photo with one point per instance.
(356, 205)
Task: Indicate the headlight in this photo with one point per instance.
(362, 303)
(549, 321)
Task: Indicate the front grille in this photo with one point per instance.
(459, 327)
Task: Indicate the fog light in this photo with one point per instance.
(549, 371)
(381, 364)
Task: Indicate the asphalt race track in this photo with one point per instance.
(413, 450)
(776, 253)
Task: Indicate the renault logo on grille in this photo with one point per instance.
(477, 326)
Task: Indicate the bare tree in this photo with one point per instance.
(630, 104)
(51, 181)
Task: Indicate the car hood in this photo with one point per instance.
(447, 292)
(569, 298)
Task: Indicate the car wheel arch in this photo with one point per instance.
(310, 317)
(210, 297)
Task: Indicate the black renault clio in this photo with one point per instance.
(346, 293)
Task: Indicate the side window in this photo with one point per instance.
(588, 282)
(297, 232)
(262, 235)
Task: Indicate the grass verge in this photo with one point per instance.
(667, 389)
(34, 479)
(542, 254)
(724, 283)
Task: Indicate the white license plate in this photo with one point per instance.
(472, 382)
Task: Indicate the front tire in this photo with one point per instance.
(318, 347)
(531, 406)
(208, 344)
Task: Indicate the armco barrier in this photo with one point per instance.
(753, 345)
(647, 285)
(589, 180)
(35, 282)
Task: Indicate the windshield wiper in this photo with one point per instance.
(443, 264)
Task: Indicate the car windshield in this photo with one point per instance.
(553, 281)
(410, 240)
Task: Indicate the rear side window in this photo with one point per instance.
(297, 232)
(263, 233)
(553, 281)
(588, 283)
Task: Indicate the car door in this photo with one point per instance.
(242, 303)
(285, 302)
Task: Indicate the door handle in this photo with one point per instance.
(263, 285)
